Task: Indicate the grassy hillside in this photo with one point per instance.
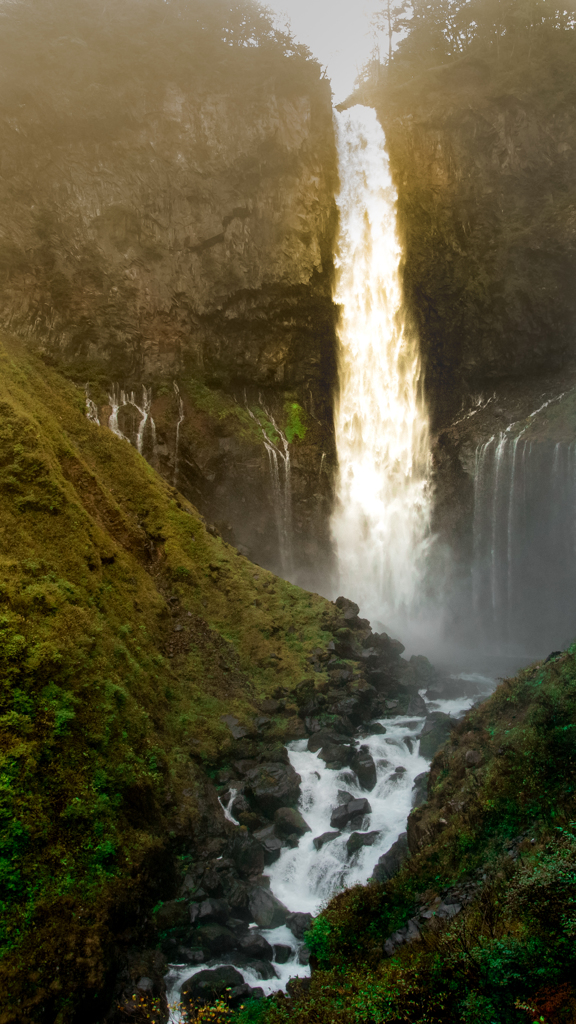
(496, 840)
(127, 629)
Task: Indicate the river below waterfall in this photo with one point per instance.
(305, 878)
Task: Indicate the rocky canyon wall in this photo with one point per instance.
(190, 244)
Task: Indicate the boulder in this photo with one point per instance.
(325, 737)
(288, 821)
(266, 910)
(216, 938)
(326, 837)
(208, 985)
(336, 756)
(270, 843)
(238, 731)
(420, 789)
(410, 933)
(435, 732)
(389, 863)
(185, 955)
(472, 758)
(345, 812)
(363, 764)
(213, 910)
(299, 923)
(273, 785)
(359, 839)
(247, 854)
(282, 953)
(256, 946)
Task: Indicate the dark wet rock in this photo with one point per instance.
(304, 956)
(237, 925)
(256, 946)
(213, 910)
(389, 863)
(263, 968)
(372, 729)
(359, 839)
(416, 705)
(247, 854)
(238, 731)
(292, 840)
(145, 986)
(173, 914)
(270, 843)
(288, 821)
(216, 938)
(261, 723)
(420, 789)
(239, 806)
(209, 984)
(345, 812)
(326, 837)
(273, 785)
(435, 732)
(336, 756)
(344, 796)
(282, 953)
(186, 955)
(236, 893)
(348, 609)
(324, 737)
(299, 923)
(363, 764)
(404, 936)
(266, 910)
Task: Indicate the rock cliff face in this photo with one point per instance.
(487, 205)
(193, 246)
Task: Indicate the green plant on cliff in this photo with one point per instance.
(126, 631)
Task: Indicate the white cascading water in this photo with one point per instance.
(381, 526)
(178, 425)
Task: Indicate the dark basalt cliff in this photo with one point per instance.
(486, 173)
(189, 240)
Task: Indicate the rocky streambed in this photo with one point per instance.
(306, 819)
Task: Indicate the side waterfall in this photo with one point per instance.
(120, 399)
(178, 425)
(524, 533)
(278, 454)
(382, 522)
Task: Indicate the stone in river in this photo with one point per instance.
(256, 946)
(288, 821)
(420, 789)
(208, 985)
(326, 837)
(343, 814)
(270, 843)
(282, 953)
(266, 910)
(435, 732)
(213, 910)
(273, 785)
(299, 923)
(363, 765)
(359, 839)
(247, 854)
(215, 937)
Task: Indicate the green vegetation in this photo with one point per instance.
(503, 819)
(126, 631)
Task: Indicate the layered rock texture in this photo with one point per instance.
(184, 234)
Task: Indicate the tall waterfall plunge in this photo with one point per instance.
(382, 522)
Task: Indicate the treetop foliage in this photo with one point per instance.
(70, 53)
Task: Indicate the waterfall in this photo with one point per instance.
(524, 543)
(120, 399)
(281, 491)
(381, 524)
(91, 407)
(178, 425)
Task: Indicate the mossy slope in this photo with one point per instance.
(127, 630)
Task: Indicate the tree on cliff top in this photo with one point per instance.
(77, 57)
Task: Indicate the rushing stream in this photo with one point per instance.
(305, 878)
